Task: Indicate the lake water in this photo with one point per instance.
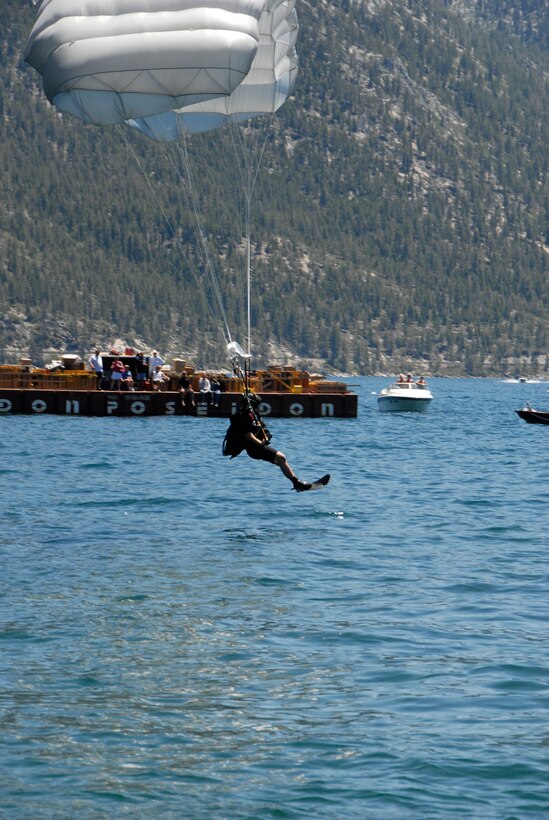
(183, 636)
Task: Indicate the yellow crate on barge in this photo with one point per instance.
(16, 378)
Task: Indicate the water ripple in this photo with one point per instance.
(182, 637)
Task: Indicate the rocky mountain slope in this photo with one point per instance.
(401, 215)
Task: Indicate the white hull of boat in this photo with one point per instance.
(404, 398)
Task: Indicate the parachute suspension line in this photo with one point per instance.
(249, 160)
(248, 278)
(204, 251)
(178, 243)
(209, 266)
(250, 157)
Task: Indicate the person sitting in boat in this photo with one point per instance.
(409, 379)
(159, 378)
(401, 378)
(248, 432)
(187, 392)
(421, 382)
(117, 374)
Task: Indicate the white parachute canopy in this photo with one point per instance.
(265, 88)
(170, 68)
(108, 61)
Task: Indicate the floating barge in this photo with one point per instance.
(71, 390)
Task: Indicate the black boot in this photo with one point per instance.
(300, 486)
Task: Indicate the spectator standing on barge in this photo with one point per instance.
(117, 374)
(155, 361)
(141, 370)
(96, 363)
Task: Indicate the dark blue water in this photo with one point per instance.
(183, 636)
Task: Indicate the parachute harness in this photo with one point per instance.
(249, 399)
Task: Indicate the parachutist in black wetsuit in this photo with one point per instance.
(247, 432)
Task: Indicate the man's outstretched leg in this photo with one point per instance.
(282, 462)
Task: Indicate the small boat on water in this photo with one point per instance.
(405, 395)
(533, 416)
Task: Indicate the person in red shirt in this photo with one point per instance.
(117, 374)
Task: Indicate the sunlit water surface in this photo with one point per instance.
(183, 636)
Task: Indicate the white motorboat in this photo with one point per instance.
(404, 396)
